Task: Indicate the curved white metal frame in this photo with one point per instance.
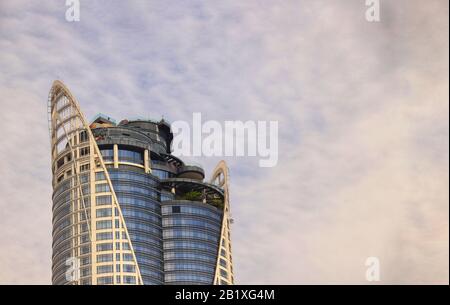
(56, 121)
(221, 178)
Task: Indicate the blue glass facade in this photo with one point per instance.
(175, 237)
(191, 233)
(175, 241)
(138, 197)
(70, 227)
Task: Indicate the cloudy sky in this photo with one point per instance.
(363, 123)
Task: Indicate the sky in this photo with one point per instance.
(363, 112)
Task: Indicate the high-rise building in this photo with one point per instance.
(125, 210)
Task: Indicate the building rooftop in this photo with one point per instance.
(101, 118)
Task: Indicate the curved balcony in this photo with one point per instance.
(194, 190)
(191, 172)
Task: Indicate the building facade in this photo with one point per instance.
(125, 210)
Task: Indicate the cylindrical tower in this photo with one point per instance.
(126, 211)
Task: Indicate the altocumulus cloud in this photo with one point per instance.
(363, 112)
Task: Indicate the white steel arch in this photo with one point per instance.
(73, 145)
(221, 178)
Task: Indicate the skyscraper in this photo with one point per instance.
(125, 210)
